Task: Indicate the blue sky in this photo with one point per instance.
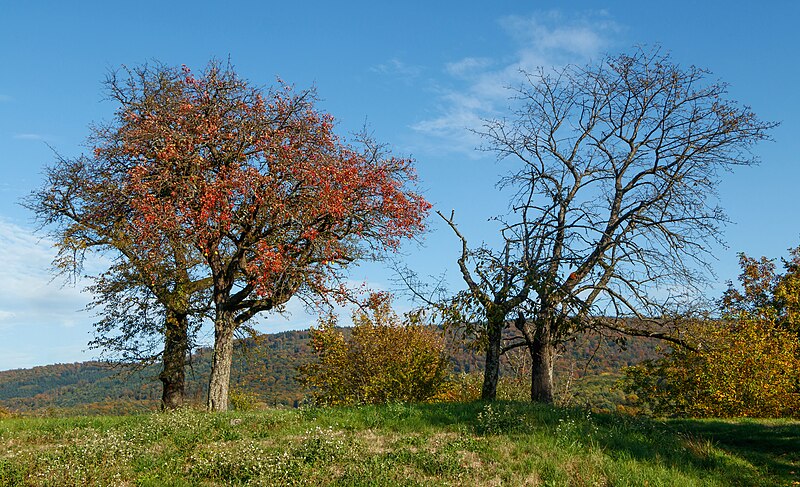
(418, 73)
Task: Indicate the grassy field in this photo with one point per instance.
(434, 444)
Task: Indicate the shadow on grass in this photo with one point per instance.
(732, 452)
(737, 452)
(773, 446)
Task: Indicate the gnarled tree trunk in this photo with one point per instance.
(224, 326)
(539, 340)
(176, 346)
(542, 352)
(491, 372)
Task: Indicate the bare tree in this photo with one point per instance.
(497, 284)
(615, 195)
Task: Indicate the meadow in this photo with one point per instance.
(500, 443)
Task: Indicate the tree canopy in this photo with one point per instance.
(257, 185)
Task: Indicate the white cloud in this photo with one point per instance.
(28, 292)
(399, 69)
(558, 39)
(41, 320)
(479, 86)
(29, 136)
(467, 65)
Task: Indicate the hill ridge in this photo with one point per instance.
(267, 372)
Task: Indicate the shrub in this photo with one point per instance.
(241, 400)
(747, 368)
(384, 359)
(745, 364)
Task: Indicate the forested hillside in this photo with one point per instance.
(267, 369)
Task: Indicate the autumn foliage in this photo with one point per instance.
(259, 179)
(747, 363)
(257, 185)
(384, 359)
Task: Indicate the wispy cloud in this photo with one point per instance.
(28, 293)
(468, 66)
(29, 136)
(558, 39)
(399, 69)
(477, 87)
(5, 98)
(41, 321)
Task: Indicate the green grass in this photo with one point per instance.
(505, 443)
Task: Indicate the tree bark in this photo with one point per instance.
(176, 346)
(542, 350)
(224, 327)
(491, 372)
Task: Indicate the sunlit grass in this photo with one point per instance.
(504, 443)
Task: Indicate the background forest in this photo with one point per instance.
(586, 374)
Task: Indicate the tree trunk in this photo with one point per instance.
(542, 351)
(176, 346)
(224, 327)
(491, 372)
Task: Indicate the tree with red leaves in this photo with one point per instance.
(258, 184)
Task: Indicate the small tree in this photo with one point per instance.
(747, 363)
(497, 285)
(614, 210)
(383, 360)
(766, 294)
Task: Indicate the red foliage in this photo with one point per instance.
(257, 182)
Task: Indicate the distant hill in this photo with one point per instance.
(269, 370)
